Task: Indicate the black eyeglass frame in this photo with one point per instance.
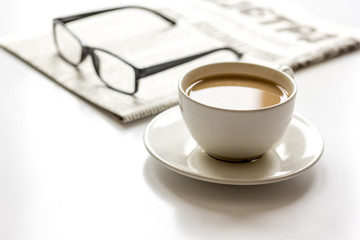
(139, 72)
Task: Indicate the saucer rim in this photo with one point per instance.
(237, 181)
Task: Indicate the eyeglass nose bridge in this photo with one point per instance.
(86, 51)
(96, 62)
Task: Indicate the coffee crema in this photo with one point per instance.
(236, 92)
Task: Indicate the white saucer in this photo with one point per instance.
(168, 140)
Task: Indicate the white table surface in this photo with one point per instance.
(69, 170)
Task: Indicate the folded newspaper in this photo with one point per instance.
(268, 32)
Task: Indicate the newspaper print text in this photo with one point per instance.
(269, 17)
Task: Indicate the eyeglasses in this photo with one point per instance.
(123, 77)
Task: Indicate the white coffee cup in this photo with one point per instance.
(236, 135)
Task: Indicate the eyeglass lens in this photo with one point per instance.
(114, 72)
(68, 45)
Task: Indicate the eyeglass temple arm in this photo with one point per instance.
(144, 72)
(85, 15)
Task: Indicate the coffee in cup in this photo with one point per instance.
(236, 111)
(236, 92)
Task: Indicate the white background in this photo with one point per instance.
(69, 170)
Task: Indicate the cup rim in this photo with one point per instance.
(292, 96)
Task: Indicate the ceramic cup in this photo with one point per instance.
(237, 135)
